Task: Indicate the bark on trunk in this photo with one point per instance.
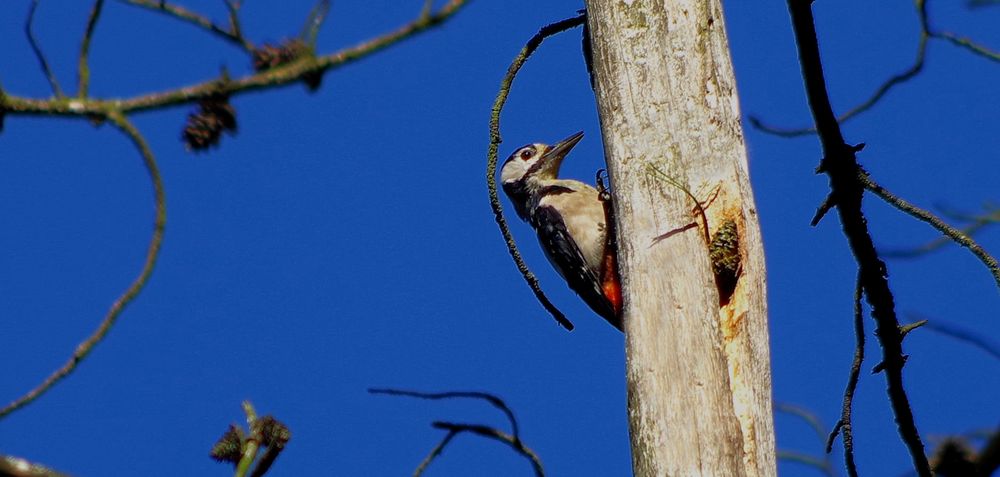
(698, 372)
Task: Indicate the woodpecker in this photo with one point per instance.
(569, 218)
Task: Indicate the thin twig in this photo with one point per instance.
(435, 452)
(284, 75)
(116, 110)
(159, 223)
(924, 216)
(883, 89)
(806, 415)
(823, 464)
(991, 214)
(314, 21)
(926, 33)
(490, 398)
(978, 223)
(491, 159)
(513, 439)
(35, 47)
(844, 424)
(982, 3)
(233, 7)
(954, 39)
(655, 171)
(968, 44)
(426, 9)
(806, 459)
(18, 467)
(83, 69)
(966, 336)
(498, 435)
(232, 34)
(840, 164)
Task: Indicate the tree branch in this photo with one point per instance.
(435, 452)
(316, 17)
(966, 336)
(883, 89)
(116, 110)
(84, 349)
(497, 435)
(840, 164)
(976, 224)
(35, 47)
(491, 160)
(805, 459)
(513, 439)
(233, 34)
(968, 44)
(83, 69)
(494, 400)
(924, 216)
(844, 424)
(270, 78)
(822, 464)
(926, 33)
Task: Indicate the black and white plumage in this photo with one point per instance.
(568, 217)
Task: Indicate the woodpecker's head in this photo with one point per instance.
(525, 170)
(537, 161)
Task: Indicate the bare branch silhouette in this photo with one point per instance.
(926, 33)
(966, 336)
(840, 164)
(806, 459)
(434, 453)
(954, 234)
(513, 440)
(83, 69)
(823, 464)
(844, 424)
(39, 54)
(232, 34)
(497, 435)
(975, 224)
(490, 398)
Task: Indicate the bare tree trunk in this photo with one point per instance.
(699, 382)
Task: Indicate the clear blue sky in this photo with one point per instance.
(343, 240)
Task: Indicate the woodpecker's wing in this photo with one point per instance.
(567, 259)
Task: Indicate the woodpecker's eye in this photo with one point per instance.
(526, 153)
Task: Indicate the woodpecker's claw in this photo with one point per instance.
(602, 189)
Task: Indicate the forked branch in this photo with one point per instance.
(116, 111)
(513, 440)
(926, 33)
(846, 191)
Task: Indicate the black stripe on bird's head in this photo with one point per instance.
(537, 161)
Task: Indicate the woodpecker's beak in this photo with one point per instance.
(554, 156)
